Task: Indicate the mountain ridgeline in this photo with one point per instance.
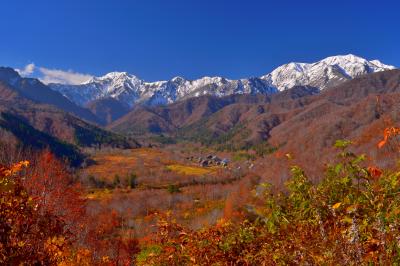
(132, 91)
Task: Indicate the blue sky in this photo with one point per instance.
(159, 39)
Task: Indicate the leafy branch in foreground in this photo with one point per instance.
(26, 234)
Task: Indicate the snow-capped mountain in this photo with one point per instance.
(119, 85)
(322, 74)
(131, 90)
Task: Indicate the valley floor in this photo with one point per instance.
(141, 183)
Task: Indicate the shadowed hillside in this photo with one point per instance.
(38, 126)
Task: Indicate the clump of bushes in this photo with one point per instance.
(129, 181)
(173, 189)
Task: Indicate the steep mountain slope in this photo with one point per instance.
(36, 91)
(38, 125)
(131, 90)
(357, 110)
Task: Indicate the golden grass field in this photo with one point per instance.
(190, 170)
(110, 164)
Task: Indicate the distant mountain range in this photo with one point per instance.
(129, 90)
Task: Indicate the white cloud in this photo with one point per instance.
(61, 76)
(47, 75)
(27, 70)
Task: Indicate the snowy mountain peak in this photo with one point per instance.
(130, 90)
(178, 79)
(112, 77)
(343, 58)
(116, 75)
(324, 73)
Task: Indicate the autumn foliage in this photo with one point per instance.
(350, 217)
(55, 191)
